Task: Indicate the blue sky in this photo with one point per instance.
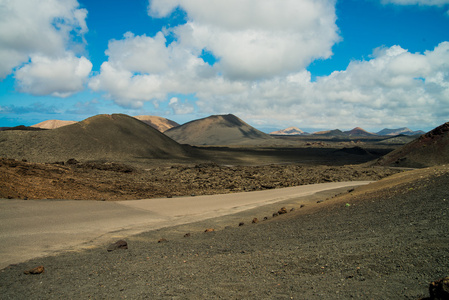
(313, 64)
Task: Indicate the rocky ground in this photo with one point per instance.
(387, 240)
(111, 181)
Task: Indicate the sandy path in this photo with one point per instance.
(30, 229)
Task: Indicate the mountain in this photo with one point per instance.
(358, 132)
(217, 130)
(114, 137)
(52, 124)
(289, 131)
(161, 124)
(430, 149)
(398, 131)
(335, 132)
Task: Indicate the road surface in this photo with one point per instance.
(36, 228)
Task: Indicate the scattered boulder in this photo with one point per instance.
(282, 211)
(275, 214)
(241, 224)
(121, 244)
(162, 240)
(255, 221)
(209, 230)
(439, 289)
(265, 218)
(187, 234)
(35, 271)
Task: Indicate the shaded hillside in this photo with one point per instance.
(430, 149)
(217, 130)
(399, 131)
(114, 137)
(335, 132)
(161, 124)
(52, 124)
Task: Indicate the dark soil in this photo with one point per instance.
(113, 181)
(386, 240)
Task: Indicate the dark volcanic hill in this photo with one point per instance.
(430, 149)
(217, 130)
(114, 137)
(335, 132)
(358, 132)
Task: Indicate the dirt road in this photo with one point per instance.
(30, 229)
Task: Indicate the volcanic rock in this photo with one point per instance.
(121, 244)
(439, 290)
(35, 271)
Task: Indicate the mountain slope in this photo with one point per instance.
(52, 124)
(398, 131)
(114, 137)
(430, 149)
(217, 130)
(161, 124)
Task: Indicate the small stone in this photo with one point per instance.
(35, 271)
(293, 209)
(241, 224)
(282, 211)
(255, 221)
(209, 230)
(121, 244)
(187, 234)
(162, 240)
(265, 218)
(275, 214)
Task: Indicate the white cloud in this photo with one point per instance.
(394, 88)
(38, 30)
(259, 40)
(59, 77)
(256, 39)
(261, 74)
(180, 108)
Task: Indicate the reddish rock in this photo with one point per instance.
(35, 271)
(209, 230)
(255, 220)
(282, 211)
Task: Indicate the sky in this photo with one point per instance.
(313, 64)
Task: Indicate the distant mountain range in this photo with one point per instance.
(357, 131)
(403, 130)
(163, 125)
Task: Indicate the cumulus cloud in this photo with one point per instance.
(180, 108)
(39, 30)
(60, 77)
(256, 39)
(259, 40)
(262, 51)
(394, 88)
